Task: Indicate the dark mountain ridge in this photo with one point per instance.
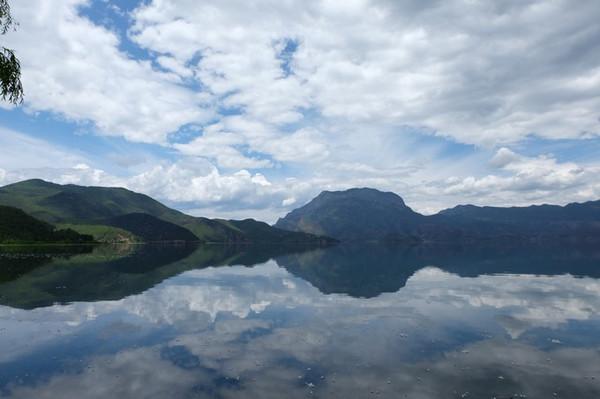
(581, 212)
(365, 214)
(355, 214)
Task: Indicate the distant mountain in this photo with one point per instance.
(537, 214)
(355, 214)
(18, 227)
(81, 207)
(370, 215)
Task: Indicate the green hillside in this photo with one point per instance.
(18, 227)
(149, 228)
(99, 206)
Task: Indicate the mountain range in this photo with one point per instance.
(365, 214)
(360, 214)
(118, 214)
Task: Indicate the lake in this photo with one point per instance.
(368, 321)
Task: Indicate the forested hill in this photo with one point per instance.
(18, 227)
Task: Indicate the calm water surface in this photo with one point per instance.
(342, 322)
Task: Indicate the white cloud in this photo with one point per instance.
(20, 151)
(495, 74)
(202, 183)
(538, 179)
(302, 145)
(503, 157)
(221, 146)
(81, 74)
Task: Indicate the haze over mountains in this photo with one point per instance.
(364, 214)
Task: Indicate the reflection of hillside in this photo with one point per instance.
(105, 273)
(111, 273)
(369, 270)
(539, 260)
(17, 260)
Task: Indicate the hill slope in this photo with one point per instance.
(79, 205)
(372, 215)
(149, 228)
(18, 227)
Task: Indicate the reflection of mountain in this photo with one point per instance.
(369, 270)
(359, 271)
(34, 280)
(17, 261)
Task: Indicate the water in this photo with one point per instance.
(268, 322)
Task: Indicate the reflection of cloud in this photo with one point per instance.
(432, 299)
(138, 373)
(532, 301)
(236, 322)
(231, 368)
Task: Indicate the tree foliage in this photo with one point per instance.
(11, 88)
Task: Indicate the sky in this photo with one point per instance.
(246, 108)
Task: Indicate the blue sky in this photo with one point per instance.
(250, 108)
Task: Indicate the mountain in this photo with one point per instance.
(576, 222)
(355, 214)
(82, 207)
(370, 215)
(537, 214)
(18, 227)
(150, 228)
